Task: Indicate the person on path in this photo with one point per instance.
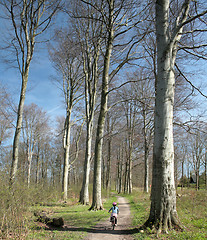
(114, 212)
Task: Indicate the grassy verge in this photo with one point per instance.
(77, 219)
(192, 211)
(17, 207)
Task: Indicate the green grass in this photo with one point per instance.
(192, 212)
(17, 220)
(78, 221)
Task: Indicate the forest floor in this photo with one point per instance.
(82, 224)
(104, 231)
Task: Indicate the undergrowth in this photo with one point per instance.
(17, 220)
(18, 204)
(78, 221)
(192, 212)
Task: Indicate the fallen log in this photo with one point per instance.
(42, 217)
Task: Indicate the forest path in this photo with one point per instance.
(103, 229)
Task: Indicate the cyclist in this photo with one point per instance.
(115, 212)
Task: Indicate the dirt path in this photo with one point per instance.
(103, 230)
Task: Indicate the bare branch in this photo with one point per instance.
(189, 81)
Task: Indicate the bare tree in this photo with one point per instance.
(35, 124)
(66, 59)
(120, 159)
(89, 38)
(116, 25)
(143, 95)
(163, 213)
(29, 19)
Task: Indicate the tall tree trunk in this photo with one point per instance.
(108, 168)
(38, 164)
(121, 169)
(26, 22)
(66, 145)
(182, 174)
(163, 213)
(103, 173)
(97, 201)
(126, 186)
(117, 171)
(197, 174)
(84, 194)
(29, 168)
(15, 157)
(90, 100)
(130, 166)
(146, 154)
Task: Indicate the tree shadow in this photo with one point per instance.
(98, 230)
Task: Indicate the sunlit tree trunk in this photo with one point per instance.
(108, 167)
(38, 164)
(126, 186)
(97, 201)
(90, 56)
(121, 152)
(29, 168)
(163, 213)
(66, 147)
(15, 155)
(84, 194)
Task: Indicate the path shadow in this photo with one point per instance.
(98, 230)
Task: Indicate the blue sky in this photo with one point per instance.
(40, 89)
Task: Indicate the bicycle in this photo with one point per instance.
(113, 222)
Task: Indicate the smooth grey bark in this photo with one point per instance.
(147, 132)
(117, 171)
(163, 213)
(15, 155)
(146, 154)
(90, 100)
(97, 201)
(29, 168)
(197, 156)
(84, 194)
(66, 147)
(120, 168)
(89, 33)
(130, 114)
(108, 166)
(37, 179)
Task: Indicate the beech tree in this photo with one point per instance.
(35, 123)
(66, 59)
(29, 19)
(131, 110)
(144, 95)
(163, 213)
(120, 160)
(88, 33)
(118, 21)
